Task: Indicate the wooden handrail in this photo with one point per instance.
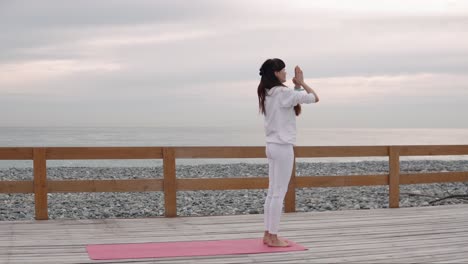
(40, 186)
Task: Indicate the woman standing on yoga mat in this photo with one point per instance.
(280, 105)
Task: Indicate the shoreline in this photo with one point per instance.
(228, 202)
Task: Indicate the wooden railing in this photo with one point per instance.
(41, 186)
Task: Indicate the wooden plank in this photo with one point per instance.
(290, 198)
(170, 187)
(419, 236)
(219, 152)
(410, 254)
(222, 184)
(16, 153)
(341, 181)
(429, 254)
(429, 150)
(394, 177)
(325, 238)
(328, 235)
(16, 186)
(438, 177)
(40, 184)
(340, 151)
(134, 185)
(77, 153)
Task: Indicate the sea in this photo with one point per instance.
(217, 136)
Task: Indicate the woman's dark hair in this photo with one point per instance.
(269, 80)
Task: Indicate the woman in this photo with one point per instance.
(280, 105)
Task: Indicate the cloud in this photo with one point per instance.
(32, 77)
(416, 88)
(413, 7)
(106, 42)
(53, 14)
(171, 61)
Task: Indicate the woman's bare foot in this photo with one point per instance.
(266, 237)
(275, 241)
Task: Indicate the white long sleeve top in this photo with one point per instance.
(280, 118)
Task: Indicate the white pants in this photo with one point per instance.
(280, 164)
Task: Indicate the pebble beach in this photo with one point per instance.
(203, 203)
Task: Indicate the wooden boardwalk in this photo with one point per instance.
(436, 234)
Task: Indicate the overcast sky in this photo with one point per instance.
(374, 63)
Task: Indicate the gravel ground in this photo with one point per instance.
(196, 203)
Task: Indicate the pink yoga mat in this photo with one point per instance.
(184, 249)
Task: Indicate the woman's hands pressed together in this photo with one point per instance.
(298, 80)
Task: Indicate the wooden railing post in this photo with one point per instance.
(290, 199)
(170, 189)
(40, 183)
(394, 177)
